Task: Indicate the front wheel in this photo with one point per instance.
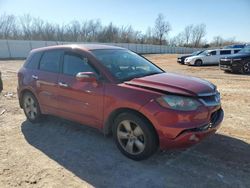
(246, 68)
(31, 107)
(134, 136)
(198, 62)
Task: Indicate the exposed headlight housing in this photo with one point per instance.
(178, 102)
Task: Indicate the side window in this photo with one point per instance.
(33, 61)
(225, 52)
(51, 61)
(74, 63)
(213, 52)
(236, 51)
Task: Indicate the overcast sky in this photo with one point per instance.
(228, 18)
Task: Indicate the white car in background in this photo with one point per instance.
(210, 56)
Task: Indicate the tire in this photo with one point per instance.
(134, 136)
(31, 108)
(198, 62)
(245, 69)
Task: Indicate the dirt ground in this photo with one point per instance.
(59, 153)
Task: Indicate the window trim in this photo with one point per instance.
(213, 51)
(74, 53)
(60, 60)
(29, 59)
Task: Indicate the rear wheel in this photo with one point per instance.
(198, 62)
(246, 68)
(134, 136)
(31, 107)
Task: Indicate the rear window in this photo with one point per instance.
(33, 61)
(51, 61)
(225, 52)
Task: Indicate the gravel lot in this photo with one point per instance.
(59, 153)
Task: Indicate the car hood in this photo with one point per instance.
(174, 83)
(184, 56)
(235, 56)
(196, 56)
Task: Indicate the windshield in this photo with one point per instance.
(125, 65)
(205, 53)
(245, 50)
(196, 53)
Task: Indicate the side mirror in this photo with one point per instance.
(86, 77)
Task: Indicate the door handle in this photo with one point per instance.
(63, 84)
(35, 77)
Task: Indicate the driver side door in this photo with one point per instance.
(213, 57)
(77, 100)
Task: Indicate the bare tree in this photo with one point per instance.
(162, 28)
(218, 41)
(109, 33)
(31, 28)
(178, 40)
(187, 34)
(8, 26)
(26, 24)
(198, 32)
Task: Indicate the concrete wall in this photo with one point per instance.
(11, 49)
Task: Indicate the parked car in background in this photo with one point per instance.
(235, 46)
(239, 62)
(120, 93)
(181, 59)
(209, 57)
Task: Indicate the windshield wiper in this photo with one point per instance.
(152, 73)
(139, 76)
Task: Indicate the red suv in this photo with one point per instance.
(120, 93)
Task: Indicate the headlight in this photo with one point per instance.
(178, 102)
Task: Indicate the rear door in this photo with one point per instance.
(46, 79)
(80, 101)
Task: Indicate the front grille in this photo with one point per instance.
(215, 116)
(225, 61)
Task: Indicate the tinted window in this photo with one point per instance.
(225, 52)
(245, 50)
(236, 51)
(74, 64)
(51, 61)
(213, 52)
(33, 61)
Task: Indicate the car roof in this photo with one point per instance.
(220, 49)
(84, 47)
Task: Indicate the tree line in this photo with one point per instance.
(27, 27)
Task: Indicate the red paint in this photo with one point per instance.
(92, 103)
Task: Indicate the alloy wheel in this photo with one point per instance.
(246, 67)
(30, 107)
(131, 137)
